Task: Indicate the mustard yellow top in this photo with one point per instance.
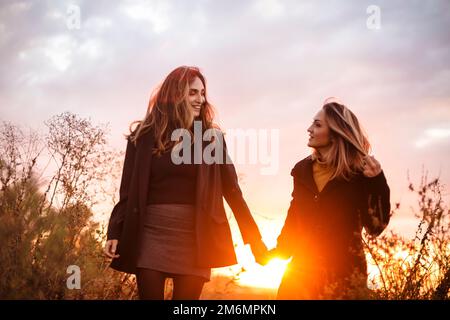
(321, 173)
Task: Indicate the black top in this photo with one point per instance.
(171, 183)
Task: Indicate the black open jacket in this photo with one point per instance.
(323, 229)
(214, 183)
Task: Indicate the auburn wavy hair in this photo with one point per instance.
(350, 144)
(168, 109)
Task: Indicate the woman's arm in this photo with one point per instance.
(233, 195)
(247, 225)
(375, 202)
(118, 212)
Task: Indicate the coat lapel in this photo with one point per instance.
(144, 158)
(209, 190)
(306, 176)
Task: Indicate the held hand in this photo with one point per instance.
(273, 253)
(372, 167)
(260, 252)
(110, 249)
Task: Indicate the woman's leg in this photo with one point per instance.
(150, 284)
(186, 287)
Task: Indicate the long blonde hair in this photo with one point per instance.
(167, 110)
(350, 144)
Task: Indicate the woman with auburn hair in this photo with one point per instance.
(338, 190)
(170, 220)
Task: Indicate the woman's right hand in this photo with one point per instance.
(110, 248)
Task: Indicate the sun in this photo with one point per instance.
(255, 275)
(268, 276)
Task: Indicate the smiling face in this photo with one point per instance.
(196, 96)
(319, 132)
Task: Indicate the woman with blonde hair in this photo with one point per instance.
(338, 190)
(170, 220)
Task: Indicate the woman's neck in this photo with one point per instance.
(322, 153)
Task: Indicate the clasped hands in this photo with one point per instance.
(261, 253)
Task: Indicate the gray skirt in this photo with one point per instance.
(169, 241)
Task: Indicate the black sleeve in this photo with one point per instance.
(286, 239)
(233, 195)
(375, 204)
(118, 212)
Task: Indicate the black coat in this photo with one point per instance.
(214, 182)
(322, 231)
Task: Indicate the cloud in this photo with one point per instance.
(433, 136)
(312, 50)
(269, 8)
(155, 12)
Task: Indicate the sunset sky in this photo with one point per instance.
(269, 65)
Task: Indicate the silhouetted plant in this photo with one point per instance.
(45, 231)
(417, 268)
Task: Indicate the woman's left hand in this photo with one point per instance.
(260, 252)
(371, 167)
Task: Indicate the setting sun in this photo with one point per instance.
(268, 276)
(255, 275)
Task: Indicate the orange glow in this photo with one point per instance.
(268, 276)
(255, 275)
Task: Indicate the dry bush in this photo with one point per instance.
(46, 225)
(417, 268)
